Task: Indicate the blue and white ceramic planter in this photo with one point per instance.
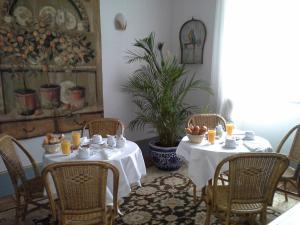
(165, 158)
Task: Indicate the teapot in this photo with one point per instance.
(96, 138)
(219, 130)
(111, 140)
(121, 141)
(83, 153)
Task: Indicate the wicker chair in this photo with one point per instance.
(252, 182)
(81, 192)
(209, 120)
(292, 174)
(27, 191)
(104, 126)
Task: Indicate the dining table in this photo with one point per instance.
(203, 158)
(128, 160)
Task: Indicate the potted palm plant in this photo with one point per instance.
(159, 88)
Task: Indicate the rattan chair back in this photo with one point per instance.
(252, 176)
(81, 188)
(292, 175)
(27, 190)
(294, 152)
(251, 184)
(104, 126)
(208, 120)
(13, 163)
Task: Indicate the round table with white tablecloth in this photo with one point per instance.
(203, 158)
(129, 161)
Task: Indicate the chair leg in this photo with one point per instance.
(285, 193)
(24, 211)
(263, 217)
(227, 218)
(194, 193)
(18, 209)
(208, 213)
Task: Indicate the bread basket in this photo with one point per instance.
(195, 138)
(52, 148)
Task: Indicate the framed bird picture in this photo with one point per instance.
(192, 39)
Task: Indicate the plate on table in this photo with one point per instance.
(249, 139)
(229, 147)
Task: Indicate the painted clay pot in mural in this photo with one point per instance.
(77, 97)
(50, 96)
(26, 101)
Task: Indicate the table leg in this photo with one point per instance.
(139, 183)
(203, 194)
(118, 210)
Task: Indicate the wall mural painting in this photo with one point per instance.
(49, 59)
(192, 39)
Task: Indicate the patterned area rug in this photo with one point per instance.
(163, 199)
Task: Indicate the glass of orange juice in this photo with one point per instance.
(76, 139)
(229, 128)
(66, 147)
(211, 135)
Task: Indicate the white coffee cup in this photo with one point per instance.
(249, 135)
(83, 153)
(111, 140)
(230, 143)
(97, 138)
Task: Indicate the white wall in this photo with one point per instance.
(203, 10)
(143, 17)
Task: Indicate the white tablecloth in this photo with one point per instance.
(129, 161)
(290, 217)
(203, 158)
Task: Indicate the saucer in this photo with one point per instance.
(97, 143)
(229, 147)
(248, 138)
(78, 157)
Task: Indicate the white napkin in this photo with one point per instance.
(108, 154)
(257, 146)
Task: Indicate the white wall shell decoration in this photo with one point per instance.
(120, 22)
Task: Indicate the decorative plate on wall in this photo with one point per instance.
(48, 14)
(60, 17)
(23, 15)
(70, 21)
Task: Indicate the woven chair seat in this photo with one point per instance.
(289, 173)
(36, 187)
(87, 219)
(222, 202)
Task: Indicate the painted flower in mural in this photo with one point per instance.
(15, 44)
(74, 50)
(40, 47)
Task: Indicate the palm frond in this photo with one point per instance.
(158, 88)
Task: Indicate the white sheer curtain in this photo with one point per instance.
(258, 64)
